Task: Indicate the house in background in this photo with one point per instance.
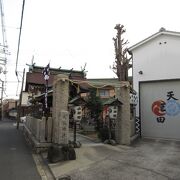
(156, 77)
(104, 86)
(104, 89)
(10, 108)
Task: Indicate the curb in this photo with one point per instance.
(39, 167)
(43, 168)
(48, 168)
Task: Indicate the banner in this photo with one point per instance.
(46, 73)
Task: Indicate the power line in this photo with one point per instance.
(11, 27)
(19, 40)
(13, 81)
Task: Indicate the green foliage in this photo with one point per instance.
(94, 104)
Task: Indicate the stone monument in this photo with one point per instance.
(60, 150)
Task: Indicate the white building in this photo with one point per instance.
(156, 78)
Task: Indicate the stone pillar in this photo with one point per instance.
(38, 129)
(49, 129)
(123, 125)
(60, 150)
(60, 109)
(42, 123)
(63, 137)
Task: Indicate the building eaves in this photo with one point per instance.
(77, 101)
(113, 102)
(159, 33)
(105, 81)
(110, 81)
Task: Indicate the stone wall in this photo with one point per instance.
(41, 130)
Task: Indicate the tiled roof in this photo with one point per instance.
(35, 76)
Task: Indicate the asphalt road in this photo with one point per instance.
(16, 161)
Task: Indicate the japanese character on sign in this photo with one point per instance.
(170, 95)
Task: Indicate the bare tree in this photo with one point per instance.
(122, 55)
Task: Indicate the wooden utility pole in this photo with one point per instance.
(2, 99)
(20, 101)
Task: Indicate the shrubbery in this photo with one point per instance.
(103, 134)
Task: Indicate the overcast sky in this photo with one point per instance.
(70, 33)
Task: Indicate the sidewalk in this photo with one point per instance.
(85, 156)
(147, 159)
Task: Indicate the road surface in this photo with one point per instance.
(16, 161)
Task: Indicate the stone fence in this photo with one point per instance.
(40, 129)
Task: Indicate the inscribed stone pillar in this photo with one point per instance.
(123, 126)
(42, 123)
(60, 109)
(49, 129)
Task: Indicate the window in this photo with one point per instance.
(104, 93)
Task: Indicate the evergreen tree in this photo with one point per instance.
(94, 104)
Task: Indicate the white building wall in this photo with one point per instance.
(158, 59)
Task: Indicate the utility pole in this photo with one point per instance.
(20, 101)
(2, 99)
